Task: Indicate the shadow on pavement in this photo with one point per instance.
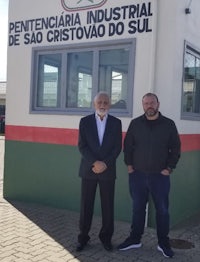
(59, 224)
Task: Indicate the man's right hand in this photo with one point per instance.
(99, 167)
(130, 169)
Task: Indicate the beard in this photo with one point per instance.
(151, 112)
(101, 112)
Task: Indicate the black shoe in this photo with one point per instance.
(129, 243)
(107, 246)
(81, 246)
(166, 250)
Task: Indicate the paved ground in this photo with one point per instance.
(35, 233)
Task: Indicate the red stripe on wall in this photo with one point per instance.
(66, 136)
(42, 134)
(190, 142)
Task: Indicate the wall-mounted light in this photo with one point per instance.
(187, 11)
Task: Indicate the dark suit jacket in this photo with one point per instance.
(91, 150)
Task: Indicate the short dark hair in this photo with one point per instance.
(150, 94)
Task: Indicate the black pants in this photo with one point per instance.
(88, 192)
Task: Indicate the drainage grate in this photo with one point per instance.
(181, 244)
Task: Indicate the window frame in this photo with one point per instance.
(63, 51)
(191, 49)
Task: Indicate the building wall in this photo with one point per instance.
(48, 174)
(41, 156)
(19, 83)
(2, 93)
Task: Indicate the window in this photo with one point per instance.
(66, 79)
(79, 79)
(48, 80)
(191, 84)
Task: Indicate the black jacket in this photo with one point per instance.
(91, 150)
(152, 145)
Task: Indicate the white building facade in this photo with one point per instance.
(61, 53)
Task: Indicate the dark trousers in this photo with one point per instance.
(88, 192)
(158, 185)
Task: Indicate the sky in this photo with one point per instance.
(3, 38)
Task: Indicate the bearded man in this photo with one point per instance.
(151, 152)
(100, 142)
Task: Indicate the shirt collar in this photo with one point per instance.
(99, 118)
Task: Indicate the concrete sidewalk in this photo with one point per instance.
(35, 233)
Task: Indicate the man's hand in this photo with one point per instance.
(165, 172)
(130, 169)
(99, 167)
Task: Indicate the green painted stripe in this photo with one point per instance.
(48, 174)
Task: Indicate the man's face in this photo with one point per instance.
(150, 106)
(102, 105)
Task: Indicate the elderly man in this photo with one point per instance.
(100, 138)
